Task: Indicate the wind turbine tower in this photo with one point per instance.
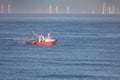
(113, 9)
(50, 9)
(56, 9)
(2, 8)
(93, 11)
(9, 8)
(103, 11)
(109, 10)
(84, 11)
(68, 10)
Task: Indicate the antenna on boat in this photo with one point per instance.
(49, 35)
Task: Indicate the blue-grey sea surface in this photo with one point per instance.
(87, 47)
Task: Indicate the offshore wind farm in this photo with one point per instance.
(57, 8)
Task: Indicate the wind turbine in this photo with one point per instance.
(113, 9)
(84, 11)
(56, 9)
(9, 8)
(2, 8)
(50, 9)
(68, 10)
(103, 11)
(93, 11)
(109, 10)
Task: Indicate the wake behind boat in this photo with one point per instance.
(42, 40)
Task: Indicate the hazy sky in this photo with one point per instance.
(76, 6)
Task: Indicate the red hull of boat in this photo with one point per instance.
(51, 43)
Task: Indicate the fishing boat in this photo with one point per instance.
(42, 40)
(48, 42)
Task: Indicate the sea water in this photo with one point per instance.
(87, 47)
